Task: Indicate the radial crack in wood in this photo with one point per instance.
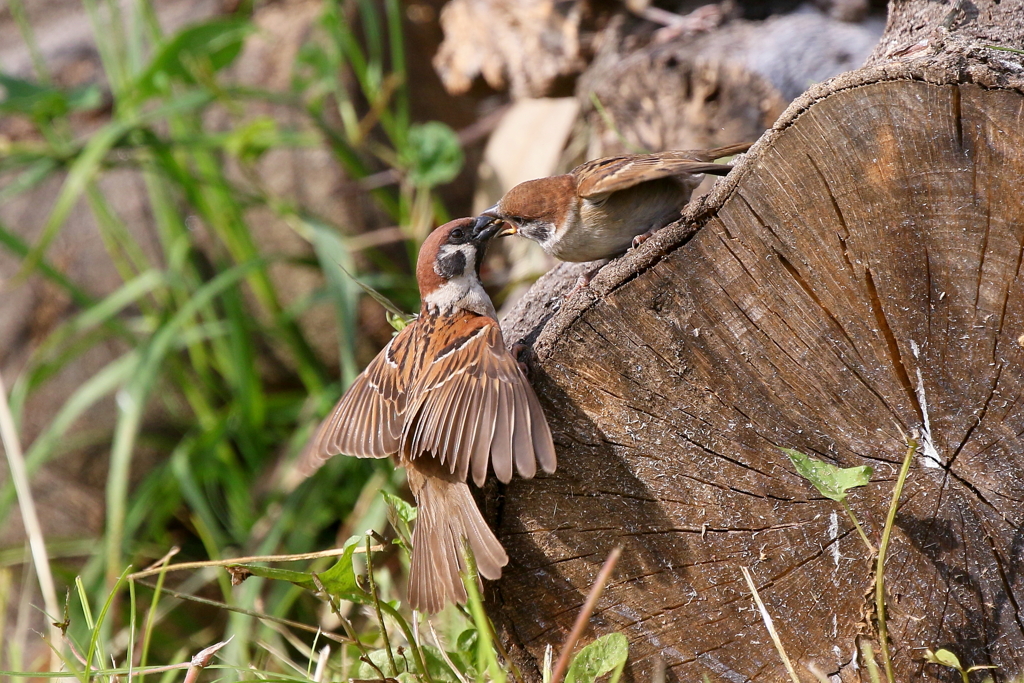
(854, 283)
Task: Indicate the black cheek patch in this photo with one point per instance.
(451, 265)
(535, 232)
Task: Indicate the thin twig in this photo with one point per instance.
(252, 613)
(162, 562)
(376, 608)
(883, 546)
(201, 659)
(444, 653)
(584, 616)
(767, 618)
(183, 566)
(863, 536)
(346, 624)
(516, 674)
(29, 517)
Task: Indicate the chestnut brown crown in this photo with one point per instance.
(454, 250)
(538, 208)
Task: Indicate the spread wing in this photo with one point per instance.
(601, 177)
(367, 422)
(473, 406)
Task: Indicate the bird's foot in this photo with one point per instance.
(640, 239)
(583, 281)
(516, 350)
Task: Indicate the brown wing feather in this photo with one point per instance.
(603, 176)
(522, 440)
(481, 447)
(367, 421)
(543, 444)
(472, 406)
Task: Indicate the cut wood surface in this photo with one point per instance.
(856, 279)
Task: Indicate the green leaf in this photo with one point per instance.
(402, 510)
(340, 580)
(87, 166)
(332, 254)
(212, 45)
(400, 515)
(249, 141)
(433, 155)
(1003, 48)
(831, 481)
(301, 579)
(380, 659)
(607, 653)
(133, 397)
(43, 101)
(943, 657)
(466, 642)
(103, 382)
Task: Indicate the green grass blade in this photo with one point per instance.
(55, 353)
(84, 169)
(132, 400)
(19, 247)
(335, 260)
(37, 172)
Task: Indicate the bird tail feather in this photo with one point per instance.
(448, 517)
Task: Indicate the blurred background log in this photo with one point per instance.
(856, 279)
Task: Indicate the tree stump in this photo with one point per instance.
(856, 279)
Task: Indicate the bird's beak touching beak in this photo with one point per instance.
(506, 228)
(485, 227)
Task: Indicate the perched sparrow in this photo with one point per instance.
(444, 398)
(596, 210)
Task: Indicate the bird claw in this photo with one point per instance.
(582, 282)
(640, 239)
(517, 349)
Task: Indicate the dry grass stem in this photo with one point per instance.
(30, 519)
(202, 660)
(444, 653)
(562, 665)
(183, 566)
(883, 547)
(321, 664)
(252, 613)
(770, 625)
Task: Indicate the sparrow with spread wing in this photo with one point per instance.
(445, 398)
(598, 209)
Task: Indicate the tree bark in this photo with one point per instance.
(857, 278)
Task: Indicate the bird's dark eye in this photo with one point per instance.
(518, 220)
(457, 234)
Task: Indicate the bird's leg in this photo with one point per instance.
(584, 280)
(643, 237)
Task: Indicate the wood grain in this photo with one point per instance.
(861, 280)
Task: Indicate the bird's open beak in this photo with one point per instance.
(485, 227)
(504, 230)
